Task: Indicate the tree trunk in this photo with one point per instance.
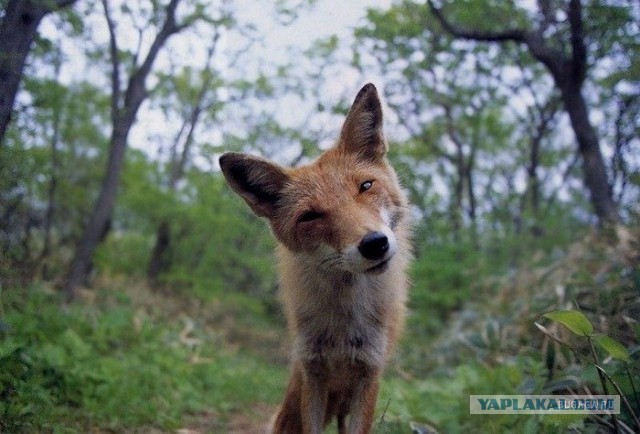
(569, 73)
(124, 108)
(18, 28)
(593, 167)
(53, 180)
(533, 186)
(51, 196)
(542, 119)
(160, 256)
(98, 224)
(472, 212)
(17, 31)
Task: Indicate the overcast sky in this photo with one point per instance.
(324, 18)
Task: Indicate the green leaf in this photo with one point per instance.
(613, 347)
(573, 320)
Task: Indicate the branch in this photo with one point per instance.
(140, 28)
(115, 61)
(199, 106)
(136, 91)
(579, 50)
(451, 131)
(550, 57)
(547, 13)
(59, 4)
(622, 396)
(516, 35)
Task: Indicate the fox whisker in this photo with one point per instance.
(331, 261)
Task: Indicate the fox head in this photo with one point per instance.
(342, 210)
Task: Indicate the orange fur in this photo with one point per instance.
(343, 248)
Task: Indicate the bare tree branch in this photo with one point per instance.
(179, 165)
(115, 62)
(547, 13)
(136, 91)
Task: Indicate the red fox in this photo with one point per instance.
(342, 228)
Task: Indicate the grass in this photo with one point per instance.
(128, 359)
(118, 365)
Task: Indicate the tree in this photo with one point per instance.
(564, 53)
(198, 100)
(449, 97)
(538, 121)
(125, 104)
(18, 28)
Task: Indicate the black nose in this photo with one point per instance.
(374, 245)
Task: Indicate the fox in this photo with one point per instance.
(342, 228)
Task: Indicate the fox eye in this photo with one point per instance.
(310, 216)
(365, 186)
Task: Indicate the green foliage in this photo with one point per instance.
(236, 256)
(116, 365)
(442, 399)
(579, 324)
(612, 347)
(124, 254)
(217, 245)
(52, 161)
(491, 256)
(443, 278)
(573, 320)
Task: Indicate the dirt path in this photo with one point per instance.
(255, 421)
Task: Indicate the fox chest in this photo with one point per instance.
(341, 333)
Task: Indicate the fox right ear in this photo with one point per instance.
(258, 181)
(362, 130)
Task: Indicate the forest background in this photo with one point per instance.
(137, 293)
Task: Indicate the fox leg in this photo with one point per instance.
(288, 419)
(342, 429)
(363, 404)
(314, 396)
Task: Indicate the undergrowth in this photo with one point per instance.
(119, 365)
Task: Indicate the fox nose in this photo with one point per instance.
(374, 245)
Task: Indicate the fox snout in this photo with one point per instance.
(374, 245)
(377, 249)
(372, 253)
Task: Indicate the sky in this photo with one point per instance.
(323, 18)
(278, 40)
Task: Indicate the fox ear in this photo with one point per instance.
(258, 181)
(362, 130)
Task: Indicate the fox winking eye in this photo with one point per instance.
(310, 216)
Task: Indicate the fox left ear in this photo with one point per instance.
(362, 130)
(259, 182)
